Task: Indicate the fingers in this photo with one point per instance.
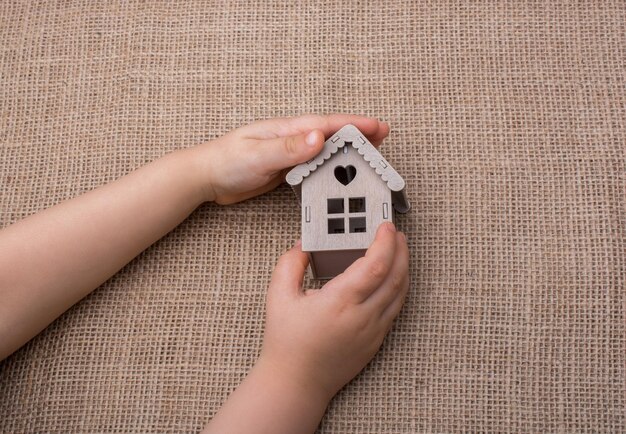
(329, 124)
(279, 153)
(365, 275)
(286, 142)
(383, 132)
(394, 282)
(373, 129)
(392, 311)
(289, 272)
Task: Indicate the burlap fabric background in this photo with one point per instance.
(509, 125)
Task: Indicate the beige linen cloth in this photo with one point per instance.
(508, 124)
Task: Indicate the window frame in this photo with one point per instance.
(351, 219)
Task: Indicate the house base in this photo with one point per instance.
(326, 264)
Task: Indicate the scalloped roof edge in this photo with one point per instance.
(349, 134)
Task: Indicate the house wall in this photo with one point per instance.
(322, 185)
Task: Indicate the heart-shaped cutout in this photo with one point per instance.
(345, 174)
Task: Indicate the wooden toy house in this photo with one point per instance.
(346, 192)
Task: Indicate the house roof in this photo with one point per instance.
(351, 136)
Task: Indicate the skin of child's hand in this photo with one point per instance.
(322, 338)
(253, 159)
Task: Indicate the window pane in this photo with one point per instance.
(356, 204)
(335, 206)
(357, 224)
(336, 226)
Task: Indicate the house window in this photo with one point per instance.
(357, 224)
(335, 206)
(356, 220)
(356, 204)
(336, 226)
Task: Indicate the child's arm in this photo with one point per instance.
(52, 259)
(317, 341)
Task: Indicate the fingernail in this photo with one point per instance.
(298, 243)
(391, 227)
(404, 236)
(311, 139)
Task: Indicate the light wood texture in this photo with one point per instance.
(369, 153)
(348, 168)
(322, 185)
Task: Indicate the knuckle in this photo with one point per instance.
(350, 299)
(342, 308)
(397, 281)
(377, 269)
(291, 145)
(377, 341)
(361, 322)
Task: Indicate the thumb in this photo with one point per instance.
(289, 272)
(283, 152)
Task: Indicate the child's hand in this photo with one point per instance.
(322, 339)
(251, 160)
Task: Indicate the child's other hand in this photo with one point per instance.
(253, 159)
(322, 339)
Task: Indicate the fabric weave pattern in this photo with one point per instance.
(508, 125)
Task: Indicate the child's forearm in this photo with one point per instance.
(271, 400)
(52, 259)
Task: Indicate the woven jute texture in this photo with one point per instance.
(508, 124)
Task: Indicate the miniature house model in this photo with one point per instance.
(346, 192)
